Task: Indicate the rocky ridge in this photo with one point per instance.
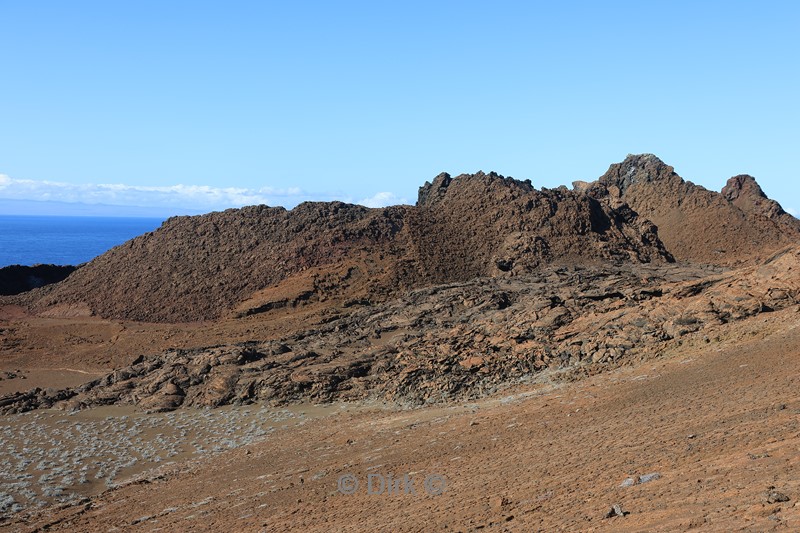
(454, 341)
(199, 268)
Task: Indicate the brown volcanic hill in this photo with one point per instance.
(485, 224)
(695, 224)
(195, 268)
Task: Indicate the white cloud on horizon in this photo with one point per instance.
(382, 199)
(186, 196)
(791, 211)
(195, 197)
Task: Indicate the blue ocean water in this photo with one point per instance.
(65, 240)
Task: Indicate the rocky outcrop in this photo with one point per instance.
(486, 225)
(695, 224)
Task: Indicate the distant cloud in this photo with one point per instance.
(382, 199)
(791, 211)
(195, 197)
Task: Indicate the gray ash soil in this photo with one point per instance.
(52, 457)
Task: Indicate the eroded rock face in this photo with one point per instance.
(696, 224)
(454, 341)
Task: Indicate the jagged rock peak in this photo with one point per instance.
(739, 224)
(443, 184)
(429, 193)
(744, 192)
(641, 168)
(742, 185)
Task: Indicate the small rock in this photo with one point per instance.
(471, 363)
(773, 496)
(498, 502)
(639, 480)
(649, 477)
(754, 456)
(616, 510)
(171, 389)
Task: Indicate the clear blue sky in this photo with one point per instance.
(287, 101)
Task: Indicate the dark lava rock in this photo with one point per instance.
(16, 279)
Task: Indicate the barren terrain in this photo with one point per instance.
(493, 358)
(718, 422)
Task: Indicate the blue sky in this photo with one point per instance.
(207, 105)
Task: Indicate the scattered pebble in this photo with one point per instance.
(649, 477)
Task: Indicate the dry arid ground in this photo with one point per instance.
(719, 422)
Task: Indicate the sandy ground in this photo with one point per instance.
(91, 344)
(718, 422)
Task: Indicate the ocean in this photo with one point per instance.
(65, 240)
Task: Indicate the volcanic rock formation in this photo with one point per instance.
(197, 268)
(484, 281)
(696, 224)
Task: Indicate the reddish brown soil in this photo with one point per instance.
(719, 422)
